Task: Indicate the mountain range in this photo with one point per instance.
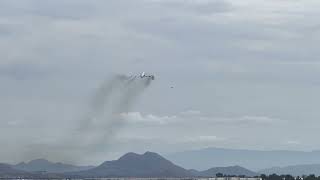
(152, 164)
(148, 164)
(44, 165)
(252, 159)
(7, 170)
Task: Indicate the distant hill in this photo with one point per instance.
(6, 171)
(148, 164)
(252, 159)
(130, 165)
(296, 170)
(230, 170)
(47, 166)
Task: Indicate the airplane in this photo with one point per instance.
(143, 75)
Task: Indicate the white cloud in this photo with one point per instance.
(193, 116)
(138, 118)
(293, 142)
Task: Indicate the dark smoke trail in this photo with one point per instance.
(95, 131)
(113, 98)
(100, 100)
(130, 94)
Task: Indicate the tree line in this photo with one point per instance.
(276, 177)
(289, 177)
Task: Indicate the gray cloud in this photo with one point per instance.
(245, 65)
(56, 10)
(24, 71)
(199, 7)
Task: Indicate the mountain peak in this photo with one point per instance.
(148, 153)
(134, 156)
(129, 156)
(149, 164)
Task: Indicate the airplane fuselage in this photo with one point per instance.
(143, 75)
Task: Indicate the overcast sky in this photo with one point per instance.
(245, 74)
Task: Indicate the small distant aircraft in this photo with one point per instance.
(143, 75)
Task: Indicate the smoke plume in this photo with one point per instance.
(95, 130)
(115, 96)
